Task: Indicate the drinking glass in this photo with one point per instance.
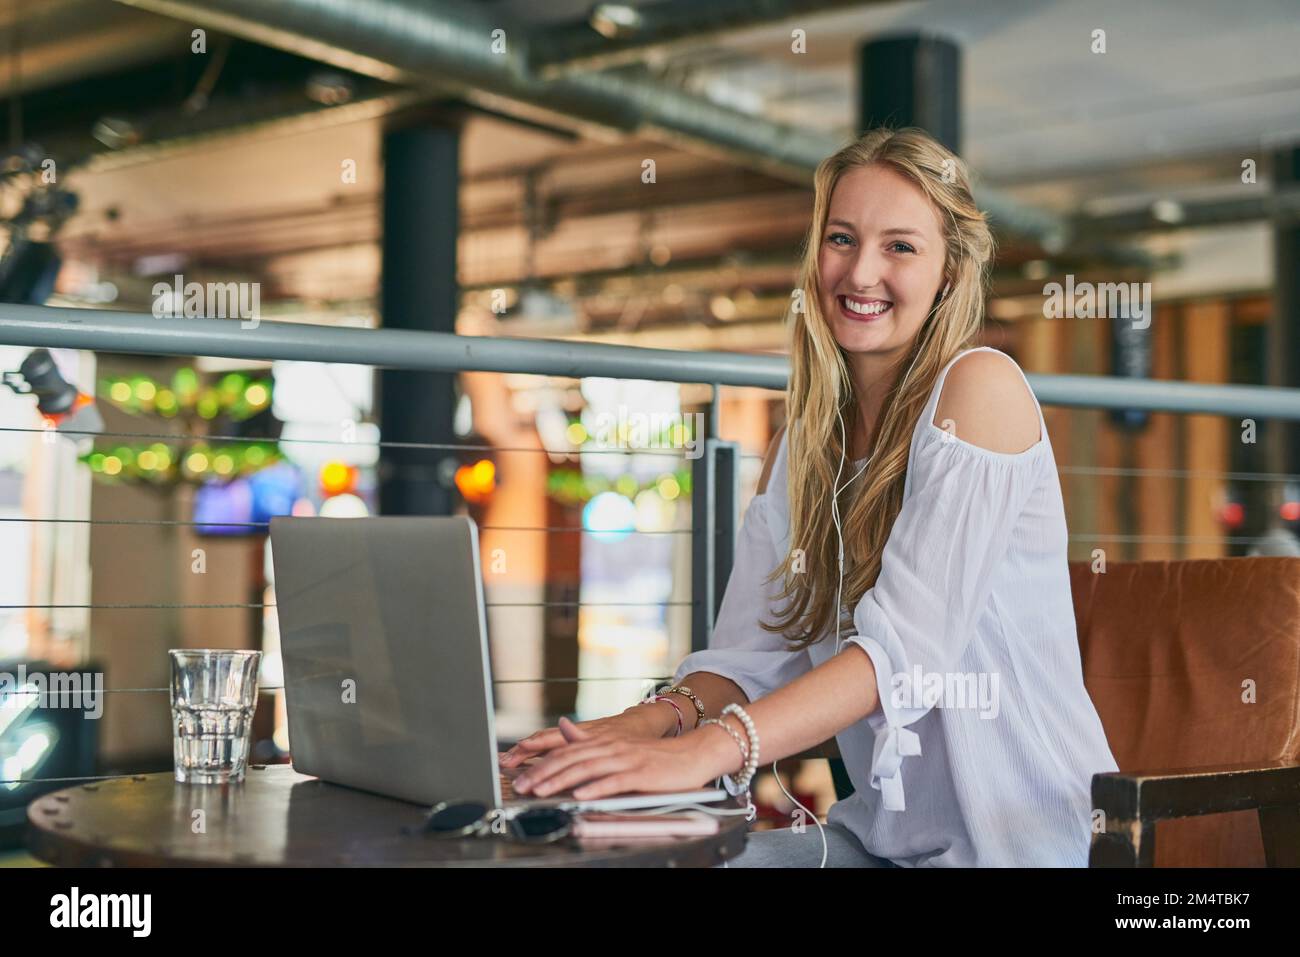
(213, 697)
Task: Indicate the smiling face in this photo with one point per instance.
(881, 262)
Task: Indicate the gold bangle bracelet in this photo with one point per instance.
(694, 699)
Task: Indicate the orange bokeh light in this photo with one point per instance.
(476, 482)
(337, 478)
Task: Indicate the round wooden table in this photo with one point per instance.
(280, 818)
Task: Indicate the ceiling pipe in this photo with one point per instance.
(614, 34)
(414, 42)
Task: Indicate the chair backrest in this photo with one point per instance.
(1193, 663)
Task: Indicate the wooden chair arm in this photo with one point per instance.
(1132, 802)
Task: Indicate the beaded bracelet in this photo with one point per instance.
(740, 742)
(749, 755)
(751, 759)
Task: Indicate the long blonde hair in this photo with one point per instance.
(820, 383)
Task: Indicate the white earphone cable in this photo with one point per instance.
(839, 536)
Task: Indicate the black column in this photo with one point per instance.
(1285, 328)
(911, 81)
(418, 291)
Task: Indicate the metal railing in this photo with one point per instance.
(106, 331)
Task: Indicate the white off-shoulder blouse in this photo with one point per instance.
(970, 625)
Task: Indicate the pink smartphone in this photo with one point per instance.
(600, 824)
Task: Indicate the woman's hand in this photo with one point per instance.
(598, 767)
(640, 722)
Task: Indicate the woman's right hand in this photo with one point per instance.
(637, 722)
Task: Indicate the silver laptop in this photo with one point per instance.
(387, 679)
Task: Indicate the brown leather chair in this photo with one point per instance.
(1194, 667)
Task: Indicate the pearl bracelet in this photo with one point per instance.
(751, 759)
(749, 755)
(740, 742)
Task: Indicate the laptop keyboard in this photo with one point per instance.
(508, 789)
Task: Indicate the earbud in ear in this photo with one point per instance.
(944, 294)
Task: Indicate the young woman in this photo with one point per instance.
(947, 658)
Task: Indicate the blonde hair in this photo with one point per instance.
(820, 383)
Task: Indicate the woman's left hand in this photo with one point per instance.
(600, 768)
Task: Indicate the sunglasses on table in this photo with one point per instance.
(541, 825)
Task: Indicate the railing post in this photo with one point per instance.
(715, 497)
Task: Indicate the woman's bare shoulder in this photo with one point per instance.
(987, 400)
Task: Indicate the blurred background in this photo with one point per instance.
(633, 174)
